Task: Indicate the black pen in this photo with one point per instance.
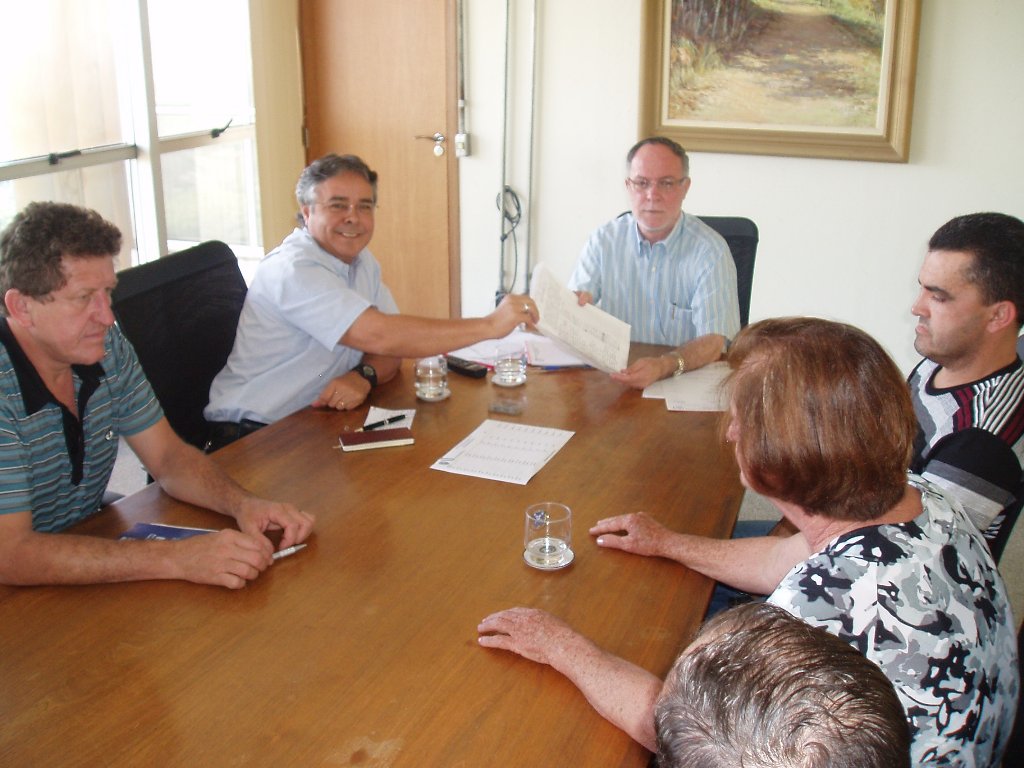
(385, 422)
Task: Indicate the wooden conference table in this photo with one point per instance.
(361, 650)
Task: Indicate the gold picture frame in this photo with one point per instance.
(888, 140)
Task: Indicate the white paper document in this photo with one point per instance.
(485, 351)
(540, 351)
(597, 337)
(500, 450)
(546, 352)
(699, 390)
(380, 414)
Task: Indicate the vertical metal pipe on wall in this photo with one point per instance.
(529, 162)
(461, 136)
(504, 156)
(506, 192)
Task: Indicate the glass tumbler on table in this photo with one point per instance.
(432, 378)
(509, 365)
(547, 538)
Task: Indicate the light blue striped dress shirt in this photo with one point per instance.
(670, 292)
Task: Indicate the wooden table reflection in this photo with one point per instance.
(361, 649)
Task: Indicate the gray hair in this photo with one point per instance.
(673, 146)
(766, 689)
(327, 167)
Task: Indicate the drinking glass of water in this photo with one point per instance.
(432, 378)
(547, 538)
(509, 365)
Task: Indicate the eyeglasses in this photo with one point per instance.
(338, 208)
(667, 184)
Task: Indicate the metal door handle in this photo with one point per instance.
(438, 139)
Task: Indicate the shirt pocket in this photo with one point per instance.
(677, 324)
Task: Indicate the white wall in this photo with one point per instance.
(839, 239)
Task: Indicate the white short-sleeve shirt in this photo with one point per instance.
(301, 302)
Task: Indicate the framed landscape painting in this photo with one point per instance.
(802, 78)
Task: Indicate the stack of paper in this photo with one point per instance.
(699, 390)
(595, 336)
(541, 351)
(500, 450)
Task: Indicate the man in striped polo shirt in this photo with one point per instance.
(969, 390)
(70, 384)
(663, 271)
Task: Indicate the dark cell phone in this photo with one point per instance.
(466, 367)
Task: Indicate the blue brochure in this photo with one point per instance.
(158, 531)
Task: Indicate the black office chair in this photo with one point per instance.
(999, 531)
(741, 236)
(180, 313)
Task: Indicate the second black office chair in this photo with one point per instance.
(741, 236)
(180, 313)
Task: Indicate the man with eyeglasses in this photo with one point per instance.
(319, 327)
(663, 271)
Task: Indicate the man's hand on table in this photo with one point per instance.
(645, 371)
(343, 393)
(530, 632)
(227, 558)
(621, 692)
(256, 516)
(231, 558)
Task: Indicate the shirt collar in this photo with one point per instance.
(645, 247)
(931, 389)
(333, 262)
(34, 393)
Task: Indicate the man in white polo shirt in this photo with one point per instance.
(319, 327)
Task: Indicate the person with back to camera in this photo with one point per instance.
(822, 425)
(318, 326)
(663, 271)
(758, 686)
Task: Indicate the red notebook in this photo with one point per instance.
(376, 438)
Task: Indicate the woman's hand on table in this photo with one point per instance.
(637, 533)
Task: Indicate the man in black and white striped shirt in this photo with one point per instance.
(969, 390)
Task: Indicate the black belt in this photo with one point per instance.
(221, 433)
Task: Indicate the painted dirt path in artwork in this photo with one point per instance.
(803, 69)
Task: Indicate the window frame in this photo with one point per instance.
(145, 173)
